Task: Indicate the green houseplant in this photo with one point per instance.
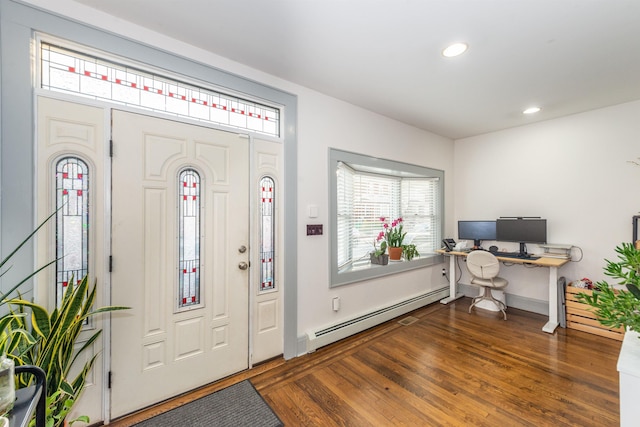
(410, 251)
(56, 334)
(378, 256)
(48, 340)
(13, 335)
(617, 307)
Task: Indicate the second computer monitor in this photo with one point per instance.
(522, 230)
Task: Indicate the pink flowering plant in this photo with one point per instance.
(391, 235)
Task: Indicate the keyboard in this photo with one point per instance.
(515, 255)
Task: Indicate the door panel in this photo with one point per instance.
(160, 349)
(267, 327)
(67, 129)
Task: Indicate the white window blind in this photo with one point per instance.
(375, 196)
(420, 207)
(363, 198)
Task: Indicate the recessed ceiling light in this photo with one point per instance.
(531, 110)
(455, 50)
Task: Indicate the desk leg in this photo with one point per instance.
(551, 325)
(453, 295)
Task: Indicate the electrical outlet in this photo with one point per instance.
(444, 272)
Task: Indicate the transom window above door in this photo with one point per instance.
(70, 71)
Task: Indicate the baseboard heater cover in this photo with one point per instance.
(334, 333)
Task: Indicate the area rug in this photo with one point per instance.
(238, 405)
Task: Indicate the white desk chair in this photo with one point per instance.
(484, 268)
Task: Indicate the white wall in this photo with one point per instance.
(573, 171)
(326, 122)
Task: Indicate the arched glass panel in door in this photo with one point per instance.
(72, 223)
(267, 234)
(189, 238)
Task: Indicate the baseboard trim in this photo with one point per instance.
(336, 332)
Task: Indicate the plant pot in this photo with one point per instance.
(7, 384)
(629, 378)
(380, 259)
(395, 253)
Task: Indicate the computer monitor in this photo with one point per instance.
(477, 231)
(522, 230)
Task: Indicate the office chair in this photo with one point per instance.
(484, 268)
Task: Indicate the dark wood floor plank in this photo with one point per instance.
(449, 368)
(297, 408)
(407, 396)
(370, 393)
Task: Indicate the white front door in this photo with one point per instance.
(180, 216)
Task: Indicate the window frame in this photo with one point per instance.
(393, 168)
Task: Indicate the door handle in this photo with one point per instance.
(243, 265)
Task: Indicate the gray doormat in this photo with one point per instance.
(236, 406)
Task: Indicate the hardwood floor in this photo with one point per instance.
(447, 368)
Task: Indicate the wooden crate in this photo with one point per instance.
(581, 317)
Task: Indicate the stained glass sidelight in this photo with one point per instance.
(189, 236)
(69, 71)
(267, 234)
(72, 222)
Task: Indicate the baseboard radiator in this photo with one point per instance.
(334, 333)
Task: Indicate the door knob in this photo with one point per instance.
(242, 249)
(243, 266)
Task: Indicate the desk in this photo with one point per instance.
(552, 263)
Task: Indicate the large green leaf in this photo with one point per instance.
(634, 289)
(39, 316)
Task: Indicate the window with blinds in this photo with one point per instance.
(365, 193)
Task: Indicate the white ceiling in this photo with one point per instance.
(567, 56)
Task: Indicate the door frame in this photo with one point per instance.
(106, 291)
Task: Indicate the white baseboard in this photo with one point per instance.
(336, 332)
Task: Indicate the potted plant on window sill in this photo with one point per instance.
(409, 252)
(393, 236)
(378, 256)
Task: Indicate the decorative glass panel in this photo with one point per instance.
(189, 232)
(65, 70)
(72, 223)
(267, 234)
